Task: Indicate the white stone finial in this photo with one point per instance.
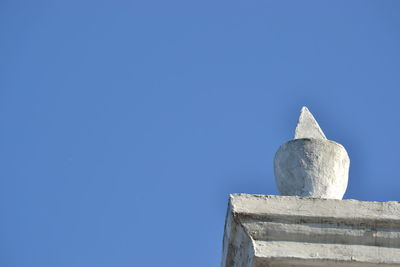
(308, 127)
(311, 165)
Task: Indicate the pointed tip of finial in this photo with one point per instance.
(308, 127)
(304, 108)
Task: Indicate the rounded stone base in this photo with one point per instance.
(312, 168)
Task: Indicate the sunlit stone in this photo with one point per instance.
(311, 165)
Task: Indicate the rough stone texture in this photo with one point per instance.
(263, 231)
(312, 167)
(308, 127)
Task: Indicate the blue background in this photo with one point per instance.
(126, 124)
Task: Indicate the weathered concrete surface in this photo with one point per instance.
(263, 231)
(310, 165)
(307, 126)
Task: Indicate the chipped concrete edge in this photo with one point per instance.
(248, 212)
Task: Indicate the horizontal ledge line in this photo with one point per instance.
(356, 221)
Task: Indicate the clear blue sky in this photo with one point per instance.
(126, 124)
